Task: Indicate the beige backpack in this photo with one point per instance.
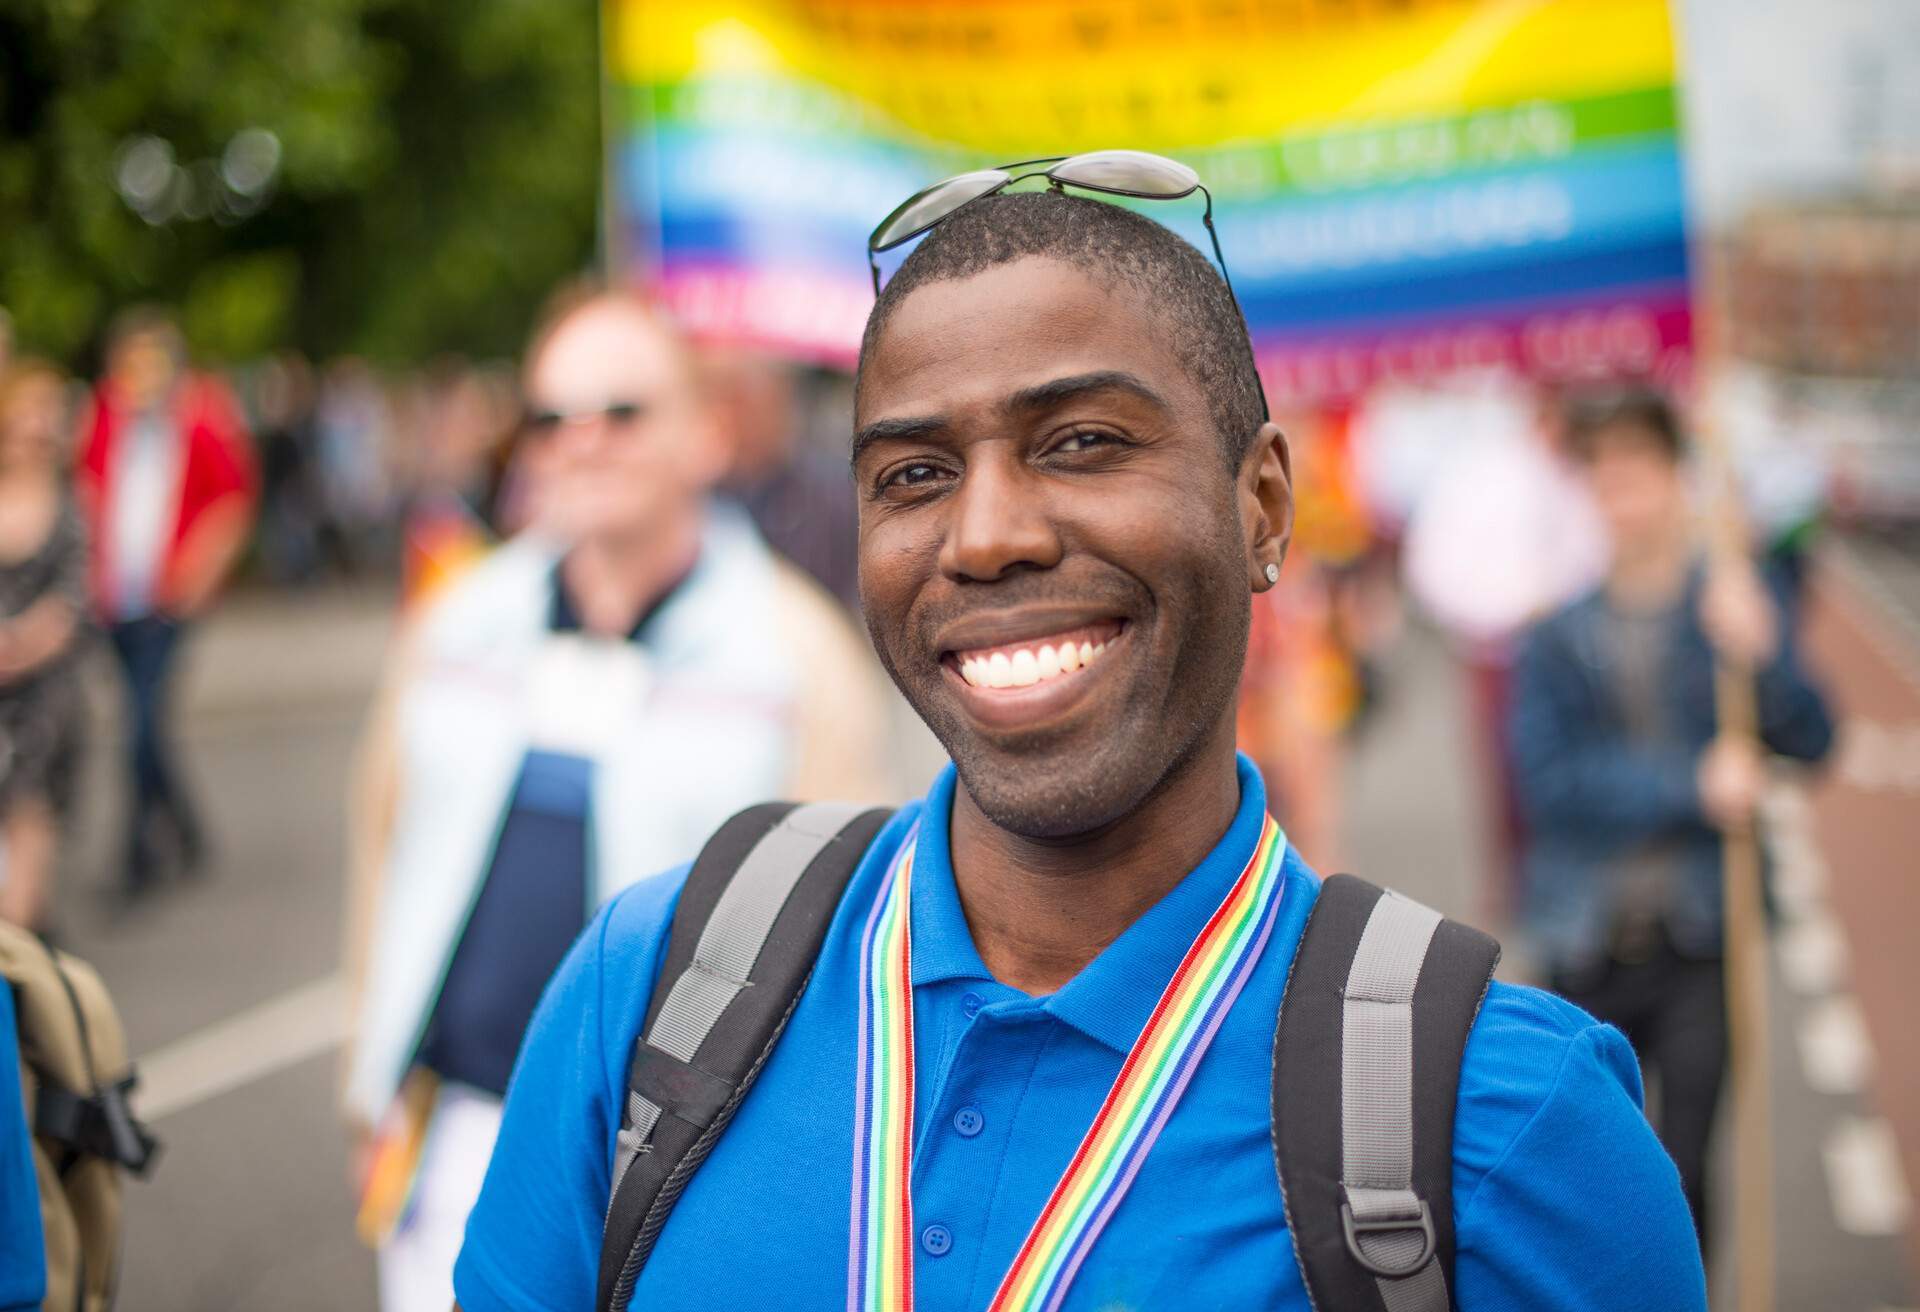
(75, 1077)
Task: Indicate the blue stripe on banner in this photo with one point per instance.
(1607, 217)
(842, 187)
(1608, 197)
(1460, 292)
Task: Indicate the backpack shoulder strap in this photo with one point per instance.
(746, 931)
(1366, 1065)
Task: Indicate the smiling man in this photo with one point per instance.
(1034, 1061)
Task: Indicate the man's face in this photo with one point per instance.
(1054, 555)
(1636, 486)
(145, 370)
(618, 441)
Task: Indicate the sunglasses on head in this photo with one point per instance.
(616, 415)
(1136, 173)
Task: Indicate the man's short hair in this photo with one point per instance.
(1112, 245)
(1633, 414)
(153, 322)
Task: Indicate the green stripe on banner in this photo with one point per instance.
(1337, 160)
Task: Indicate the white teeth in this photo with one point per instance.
(1025, 666)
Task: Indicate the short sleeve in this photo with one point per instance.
(1582, 1210)
(533, 1239)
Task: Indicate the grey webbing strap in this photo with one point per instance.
(1387, 1224)
(729, 945)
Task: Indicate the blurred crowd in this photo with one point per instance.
(627, 519)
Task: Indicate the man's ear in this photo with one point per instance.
(1266, 504)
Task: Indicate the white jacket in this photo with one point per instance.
(715, 714)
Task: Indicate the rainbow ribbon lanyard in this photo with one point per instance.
(1156, 1073)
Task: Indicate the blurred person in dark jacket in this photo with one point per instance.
(1626, 782)
(168, 479)
(43, 606)
(800, 499)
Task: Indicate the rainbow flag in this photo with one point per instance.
(1404, 187)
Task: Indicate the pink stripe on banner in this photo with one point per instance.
(1649, 336)
(810, 316)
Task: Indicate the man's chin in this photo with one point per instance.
(1045, 785)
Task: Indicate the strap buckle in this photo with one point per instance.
(1418, 1220)
(101, 1124)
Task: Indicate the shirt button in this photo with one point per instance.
(969, 1122)
(971, 1004)
(937, 1240)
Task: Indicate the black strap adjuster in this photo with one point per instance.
(97, 1125)
(1418, 1220)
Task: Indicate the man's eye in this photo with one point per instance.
(911, 476)
(1081, 441)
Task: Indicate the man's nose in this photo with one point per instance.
(581, 434)
(998, 521)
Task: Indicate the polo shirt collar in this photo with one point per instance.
(1111, 999)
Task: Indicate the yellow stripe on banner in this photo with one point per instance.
(1161, 74)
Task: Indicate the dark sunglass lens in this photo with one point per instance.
(932, 205)
(622, 413)
(540, 422)
(1134, 171)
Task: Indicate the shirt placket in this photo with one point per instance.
(964, 1134)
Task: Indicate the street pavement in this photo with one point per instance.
(227, 984)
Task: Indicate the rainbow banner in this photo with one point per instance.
(1403, 187)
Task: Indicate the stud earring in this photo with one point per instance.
(1273, 575)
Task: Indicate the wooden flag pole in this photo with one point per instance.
(1745, 919)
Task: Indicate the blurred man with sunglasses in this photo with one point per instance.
(1046, 1078)
(570, 716)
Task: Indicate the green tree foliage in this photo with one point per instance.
(437, 171)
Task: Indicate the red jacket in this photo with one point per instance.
(219, 463)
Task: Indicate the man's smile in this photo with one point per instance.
(1015, 669)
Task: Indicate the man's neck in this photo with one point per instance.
(1041, 910)
(1651, 574)
(612, 580)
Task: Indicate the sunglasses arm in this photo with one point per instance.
(1227, 278)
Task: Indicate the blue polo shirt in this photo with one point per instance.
(1563, 1197)
(23, 1249)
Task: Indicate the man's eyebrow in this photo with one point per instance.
(1058, 391)
(900, 430)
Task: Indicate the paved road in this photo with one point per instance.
(224, 985)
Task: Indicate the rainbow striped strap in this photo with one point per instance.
(1150, 1084)
(880, 1237)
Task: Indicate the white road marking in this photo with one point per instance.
(1865, 1182)
(1813, 954)
(260, 1041)
(1799, 881)
(1864, 1176)
(1834, 1049)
